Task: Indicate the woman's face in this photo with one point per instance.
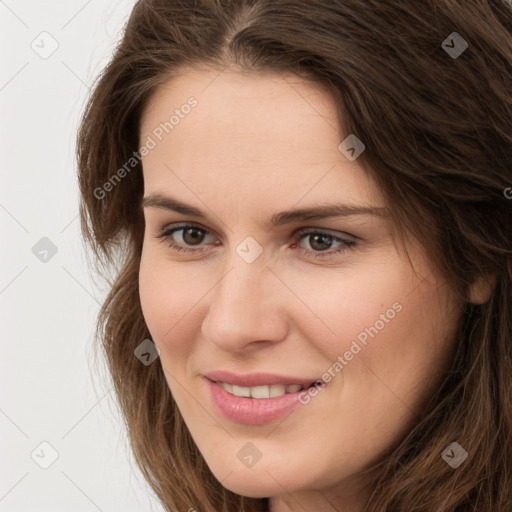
(264, 285)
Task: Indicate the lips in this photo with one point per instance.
(250, 404)
(258, 379)
(260, 392)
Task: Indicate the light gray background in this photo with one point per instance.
(50, 389)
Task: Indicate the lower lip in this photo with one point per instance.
(252, 411)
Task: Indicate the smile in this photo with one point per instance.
(272, 391)
(255, 405)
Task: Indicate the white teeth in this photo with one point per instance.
(277, 390)
(260, 392)
(271, 391)
(241, 391)
(227, 387)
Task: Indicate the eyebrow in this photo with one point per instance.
(284, 217)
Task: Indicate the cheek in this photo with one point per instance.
(356, 306)
(401, 361)
(391, 327)
(167, 297)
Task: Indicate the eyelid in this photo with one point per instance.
(296, 233)
(347, 240)
(171, 228)
(331, 232)
(175, 226)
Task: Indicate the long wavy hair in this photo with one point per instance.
(437, 127)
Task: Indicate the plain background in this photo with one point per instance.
(50, 390)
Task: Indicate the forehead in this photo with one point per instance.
(251, 131)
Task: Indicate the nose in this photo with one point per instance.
(246, 308)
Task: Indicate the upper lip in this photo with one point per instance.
(257, 379)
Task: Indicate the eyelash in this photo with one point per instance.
(166, 233)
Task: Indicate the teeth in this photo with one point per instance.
(271, 391)
(241, 391)
(261, 392)
(277, 390)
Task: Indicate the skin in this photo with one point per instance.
(257, 144)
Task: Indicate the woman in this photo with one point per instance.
(308, 203)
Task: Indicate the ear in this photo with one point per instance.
(481, 289)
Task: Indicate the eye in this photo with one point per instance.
(190, 237)
(321, 242)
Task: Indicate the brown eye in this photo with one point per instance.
(323, 244)
(193, 236)
(320, 241)
(190, 236)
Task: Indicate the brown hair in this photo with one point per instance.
(438, 134)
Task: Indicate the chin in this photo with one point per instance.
(257, 483)
(251, 487)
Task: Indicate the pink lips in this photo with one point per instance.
(253, 411)
(257, 379)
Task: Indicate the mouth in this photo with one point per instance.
(264, 391)
(260, 397)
